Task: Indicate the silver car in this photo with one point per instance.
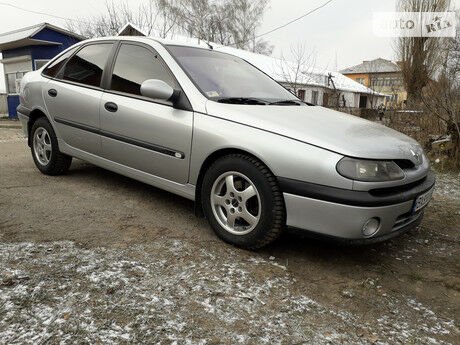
(212, 128)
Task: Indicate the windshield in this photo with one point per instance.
(222, 76)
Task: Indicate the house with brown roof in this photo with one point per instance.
(382, 76)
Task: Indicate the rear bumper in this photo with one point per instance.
(336, 216)
(23, 115)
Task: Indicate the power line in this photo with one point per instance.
(283, 25)
(42, 13)
(232, 44)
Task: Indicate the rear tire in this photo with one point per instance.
(242, 201)
(45, 150)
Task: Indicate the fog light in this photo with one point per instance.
(371, 226)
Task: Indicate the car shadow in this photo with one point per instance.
(292, 243)
(83, 171)
(306, 248)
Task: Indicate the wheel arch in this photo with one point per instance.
(33, 116)
(208, 162)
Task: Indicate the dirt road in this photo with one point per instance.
(94, 257)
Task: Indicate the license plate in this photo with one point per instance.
(422, 200)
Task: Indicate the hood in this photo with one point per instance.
(346, 134)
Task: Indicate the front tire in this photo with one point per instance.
(242, 201)
(45, 150)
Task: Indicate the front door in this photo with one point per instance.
(73, 97)
(362, 101)
(148, 135)
(301, 95)
(325, 99)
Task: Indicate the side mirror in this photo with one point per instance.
(158, 89)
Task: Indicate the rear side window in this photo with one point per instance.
(86, 67)
(55, 66)
(136, 64)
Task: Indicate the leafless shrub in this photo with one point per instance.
(442, 97)
(116, 15)
(297, 71)
(431, 73)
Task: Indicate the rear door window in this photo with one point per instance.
(136, 64)
(86, 67)
(54, 67)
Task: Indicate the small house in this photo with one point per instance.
(29, 49)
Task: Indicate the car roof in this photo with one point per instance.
(178, 41)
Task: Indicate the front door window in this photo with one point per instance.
(136, 64)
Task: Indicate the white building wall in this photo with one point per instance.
(356, 97)
(309, 94)
(18, 65)
(22, 64)
(374, 101)
(350, 99)
(3, 105)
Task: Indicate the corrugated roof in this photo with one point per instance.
(374, 66)
(19, 34)
(23, 36)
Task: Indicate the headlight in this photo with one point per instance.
(368, 170)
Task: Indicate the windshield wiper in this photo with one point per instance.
(286, 102)
(242, 100)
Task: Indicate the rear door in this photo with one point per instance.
(139, 132)
(73, 97)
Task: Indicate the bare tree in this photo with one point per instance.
(335, 98)
(419, 55)
(158, 18)
(228, 22)
(431, 72)
(298, 70)
(442, 97)
(194, 16)
(107, 24)
(371, 68)
(153, 16)
(246, 18)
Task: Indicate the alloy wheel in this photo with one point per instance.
(42, 146)
(235, 202)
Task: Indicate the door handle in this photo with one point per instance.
(52, 92)
(110, 106)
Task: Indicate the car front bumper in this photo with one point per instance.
(342, 214)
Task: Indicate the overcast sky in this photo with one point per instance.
(342, 29)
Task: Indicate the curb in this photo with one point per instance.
(10, 125)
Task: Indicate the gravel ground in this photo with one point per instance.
(93, 257)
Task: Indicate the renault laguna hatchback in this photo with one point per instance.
(212, 128)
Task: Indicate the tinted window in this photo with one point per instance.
(87, 65)
(136, 64)
(54, 67)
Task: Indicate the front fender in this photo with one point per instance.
(285, 157)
